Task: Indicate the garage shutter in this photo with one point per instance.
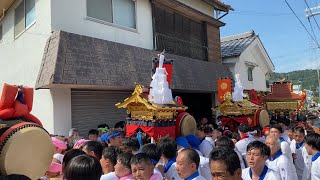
(91, 108)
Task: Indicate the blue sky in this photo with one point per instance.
(286, 41)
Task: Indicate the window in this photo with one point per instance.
(0, 32)
(120, 12)
(250, 69)
(25, 16)
(179, 35)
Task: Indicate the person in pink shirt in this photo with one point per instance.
(142, 168)
(123, 168)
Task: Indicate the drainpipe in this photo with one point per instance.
(223, 15)
(3, 12)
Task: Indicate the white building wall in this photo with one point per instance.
(62, 110)
(253, 55)
(71, 16)
(20, 58)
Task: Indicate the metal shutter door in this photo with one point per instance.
(91, 108)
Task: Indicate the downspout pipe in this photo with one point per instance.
(3, 12)
(223, 15)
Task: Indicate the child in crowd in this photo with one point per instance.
(54, 171)
(142, 168)
(123, 168)
(60, 146)
(108, 161)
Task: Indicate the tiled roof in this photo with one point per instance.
(234, 45)
(282, 91)
(79, 61)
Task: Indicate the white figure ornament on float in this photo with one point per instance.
(160, 93)
(238, 94)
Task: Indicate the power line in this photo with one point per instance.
(314, 35)
(312, 16)
(302, 23)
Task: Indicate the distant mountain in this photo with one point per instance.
(308, 78)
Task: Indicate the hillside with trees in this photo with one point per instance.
(307, 78)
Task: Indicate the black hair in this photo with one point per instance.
(224, 141)
(83, 167)
(152, 151)
(120, 124)
(228, 156)
(285, 121)
(14, 177)
(313, 140)
(94, 146)
(292, 128)
(167, 147)
(219, 129)
(228, 133)
(71, 154)
(141, 158)
(93, 131)
(103, 126)
(264, 149)
(132, 143)
(299, 129)
(192, 155)
(311, 118)
(236, 136)
(125, 159)
(277, 126)
(244, 128)
(111, 153)
(113, 131)
(205, 128)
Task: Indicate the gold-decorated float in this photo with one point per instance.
(282, 97)
(146, 110)
(282, 102)
(242, 111)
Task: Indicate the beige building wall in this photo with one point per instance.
(71, 16)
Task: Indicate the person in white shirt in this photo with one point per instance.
(204, 168)
(108, 161)
(278, 162)
(228, 143)
(276, 130)
(302, 160)
(153, 152)
(187, 165)
(257, 155)
(168, 148)
(142, 168)
(313, 148)
(205, 146)
(285, 123)
(242, 144)
(209, 132)
(225, 164)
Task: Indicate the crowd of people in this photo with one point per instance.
(284, 150)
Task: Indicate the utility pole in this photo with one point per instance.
(318, 82)
(312, 11)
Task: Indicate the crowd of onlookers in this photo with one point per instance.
(285, 150)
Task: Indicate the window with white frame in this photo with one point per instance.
(0, 32)
(119, 12)
(24, 17)
(250, 77)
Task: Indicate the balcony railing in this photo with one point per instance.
(183, 47)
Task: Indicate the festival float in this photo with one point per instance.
(236, 108)
(153, 110)
(281, 100)
(25, 146)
